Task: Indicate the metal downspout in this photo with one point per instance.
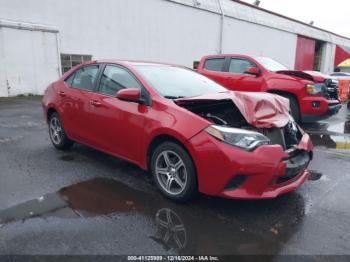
(221, 39)
(58, 55)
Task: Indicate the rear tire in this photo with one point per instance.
(173, 172)
(294, 107)
(57, 134)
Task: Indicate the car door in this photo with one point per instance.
(238, 79)
(75, 102)
(118, 126)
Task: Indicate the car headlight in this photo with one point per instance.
(244, 139)
(313, 89)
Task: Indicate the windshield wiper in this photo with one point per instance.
(173, 97)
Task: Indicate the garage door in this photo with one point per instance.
(29, 58)
(305, 54)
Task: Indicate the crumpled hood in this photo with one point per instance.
(262, 110)
(313, 76)
(295, 73)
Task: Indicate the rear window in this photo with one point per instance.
(214, 64)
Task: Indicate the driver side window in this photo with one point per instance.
(240, 66)
(114, 79)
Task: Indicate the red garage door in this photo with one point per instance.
(305, 55)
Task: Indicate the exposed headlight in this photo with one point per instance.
(244, 139)
(313, 89)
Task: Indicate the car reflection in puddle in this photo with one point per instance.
(347, 125)
(206, 225)
(334, 133)
(171, 229)
(330, 141)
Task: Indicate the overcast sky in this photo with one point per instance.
(333, 15)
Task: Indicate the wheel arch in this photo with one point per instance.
(285, 93)
(50, 111)
(288, 94)
(281, 93)
(159, 139)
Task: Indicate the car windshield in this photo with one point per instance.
(177, 82)
(271, 64)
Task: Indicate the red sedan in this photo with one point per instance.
(189, 132)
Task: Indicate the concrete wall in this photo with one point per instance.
(150, 29)
(175, 31)
(243, 37)
(328, 57)
(29, 59)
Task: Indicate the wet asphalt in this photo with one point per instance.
(86, 202)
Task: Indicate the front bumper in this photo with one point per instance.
(267, 172)
(326, 109)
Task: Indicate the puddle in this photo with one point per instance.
(73, 156)
(330, 141)
(67, 157)
(10, 139)
(171, 231)
(314, 175)
(331, 133)
(23, 125)
(206, 225)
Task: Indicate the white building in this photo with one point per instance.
(40, 38)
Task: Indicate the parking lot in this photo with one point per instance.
(85, 202)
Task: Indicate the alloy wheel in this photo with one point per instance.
(171, 172)
(55, 130)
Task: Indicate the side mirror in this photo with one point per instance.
(129, 94)
(253, 71)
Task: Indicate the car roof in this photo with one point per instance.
(130, 62)
(225, 55)
(125, 63)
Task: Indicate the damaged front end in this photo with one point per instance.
(264, 117)
(322, 85)
(250, 120)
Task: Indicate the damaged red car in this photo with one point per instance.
(313, 96)
(190, 133)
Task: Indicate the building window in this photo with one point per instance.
(69, 60)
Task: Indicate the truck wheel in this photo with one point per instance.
(57, 134)
(173, 172)
(294, 107)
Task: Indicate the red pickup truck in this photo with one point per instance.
(312, 95)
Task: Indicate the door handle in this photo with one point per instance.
(61, 93)
(95, 103)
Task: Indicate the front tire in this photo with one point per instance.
(294, 107)
(58, 136)
(173, 172)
